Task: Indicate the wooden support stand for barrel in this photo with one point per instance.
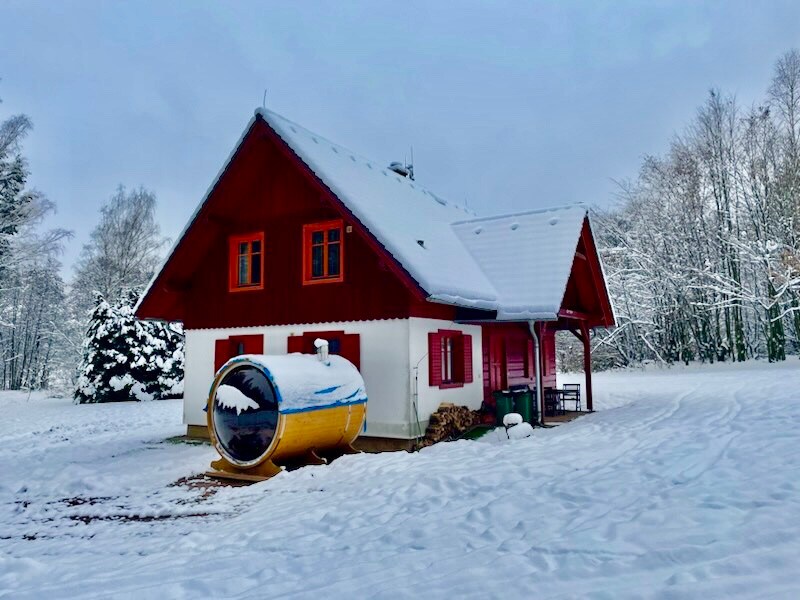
(224, 469)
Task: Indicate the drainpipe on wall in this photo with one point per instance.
(537, 353)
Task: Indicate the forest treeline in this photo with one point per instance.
(69, 334)
(701, 253)
(702, 250)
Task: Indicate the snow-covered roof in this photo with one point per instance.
(528, 257)
(515, 264)
(398, 212)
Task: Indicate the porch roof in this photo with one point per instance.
(527, 256)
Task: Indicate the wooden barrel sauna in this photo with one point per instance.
(265, 411)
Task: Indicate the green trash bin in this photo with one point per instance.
(523, 404)
(504, 404)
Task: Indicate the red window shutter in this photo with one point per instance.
(466, 341)
(350, 345)
(221, 353)
(434, 359)
(227, 348)
(294, 344)
(253, 344)
(246, 344)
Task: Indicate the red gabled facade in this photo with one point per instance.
(267, 189)
(586, 297)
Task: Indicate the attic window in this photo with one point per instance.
(323, 252)
(246, 264)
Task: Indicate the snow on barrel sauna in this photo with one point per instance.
(266, 412)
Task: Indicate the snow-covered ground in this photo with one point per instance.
(684, 483)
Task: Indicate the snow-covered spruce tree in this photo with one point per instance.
(121, 256)
(127, 359)
(166, 367)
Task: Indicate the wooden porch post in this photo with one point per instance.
(587, 364)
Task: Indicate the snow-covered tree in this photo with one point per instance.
(702, 253)
(124, 249)
(118, 261)
(127, 359)
(31, 288)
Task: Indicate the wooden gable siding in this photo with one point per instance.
(586, 292)
(263, 189)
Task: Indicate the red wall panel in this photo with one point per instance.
(507, 356)
(264, 190)
(548, 350)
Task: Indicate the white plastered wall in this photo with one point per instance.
(394, 362)
(384, 366)
(429, 398)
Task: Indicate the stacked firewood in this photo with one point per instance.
(449, 422)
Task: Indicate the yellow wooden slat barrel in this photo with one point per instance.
(265, 411)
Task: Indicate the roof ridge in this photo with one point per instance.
(523, 213)
(414, 184)
(263, 112)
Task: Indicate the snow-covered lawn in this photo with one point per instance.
(685, 483)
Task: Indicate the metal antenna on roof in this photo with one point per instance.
(410, 166)
(264, 101)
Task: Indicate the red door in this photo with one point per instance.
(497, 363)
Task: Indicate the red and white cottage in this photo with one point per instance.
(300, 238)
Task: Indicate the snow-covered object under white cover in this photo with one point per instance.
(517, 432)
(304, 382)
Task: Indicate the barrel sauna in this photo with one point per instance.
(266, 411)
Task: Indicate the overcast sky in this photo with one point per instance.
(508, 106)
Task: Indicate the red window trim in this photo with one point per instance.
(233, 261)
(461, 359)
(308, 230)
(452, 384)
(455, 343)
